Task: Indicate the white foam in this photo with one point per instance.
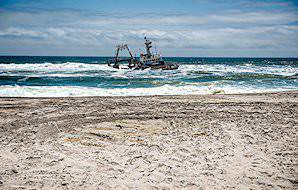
(74, 91)
(183, 70)
(50, 67)
(73, 69)
(222, 69)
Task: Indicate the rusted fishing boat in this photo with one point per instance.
(146, 60)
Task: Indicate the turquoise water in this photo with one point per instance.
(90, 76)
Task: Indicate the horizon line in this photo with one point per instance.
(163, 57)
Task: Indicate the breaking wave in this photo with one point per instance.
(74, 91)
(63, 79)
(68, 68)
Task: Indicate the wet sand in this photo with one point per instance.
(170, 142)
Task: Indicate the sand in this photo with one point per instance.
(155, 142)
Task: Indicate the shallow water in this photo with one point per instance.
(90, 76)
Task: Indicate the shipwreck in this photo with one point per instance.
(146, 60)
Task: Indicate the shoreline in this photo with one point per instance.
(221, 141)
(137, 96)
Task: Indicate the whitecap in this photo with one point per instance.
(76, 91)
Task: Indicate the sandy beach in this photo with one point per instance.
(154, 142)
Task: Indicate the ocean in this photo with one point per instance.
(41, 76)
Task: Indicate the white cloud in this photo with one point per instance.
(255, 37)
(194, 21)
(21, 32)
(225, 30)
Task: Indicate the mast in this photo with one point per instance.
(148, 46)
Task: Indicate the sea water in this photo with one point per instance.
(36, 76)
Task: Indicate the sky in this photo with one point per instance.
(188, 28)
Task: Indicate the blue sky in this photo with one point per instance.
(202, 28)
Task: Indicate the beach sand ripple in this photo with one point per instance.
(165, 142)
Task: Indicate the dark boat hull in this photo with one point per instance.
(164, 66)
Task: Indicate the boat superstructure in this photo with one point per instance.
(146, 60)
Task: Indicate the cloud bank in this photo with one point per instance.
(80, 32)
